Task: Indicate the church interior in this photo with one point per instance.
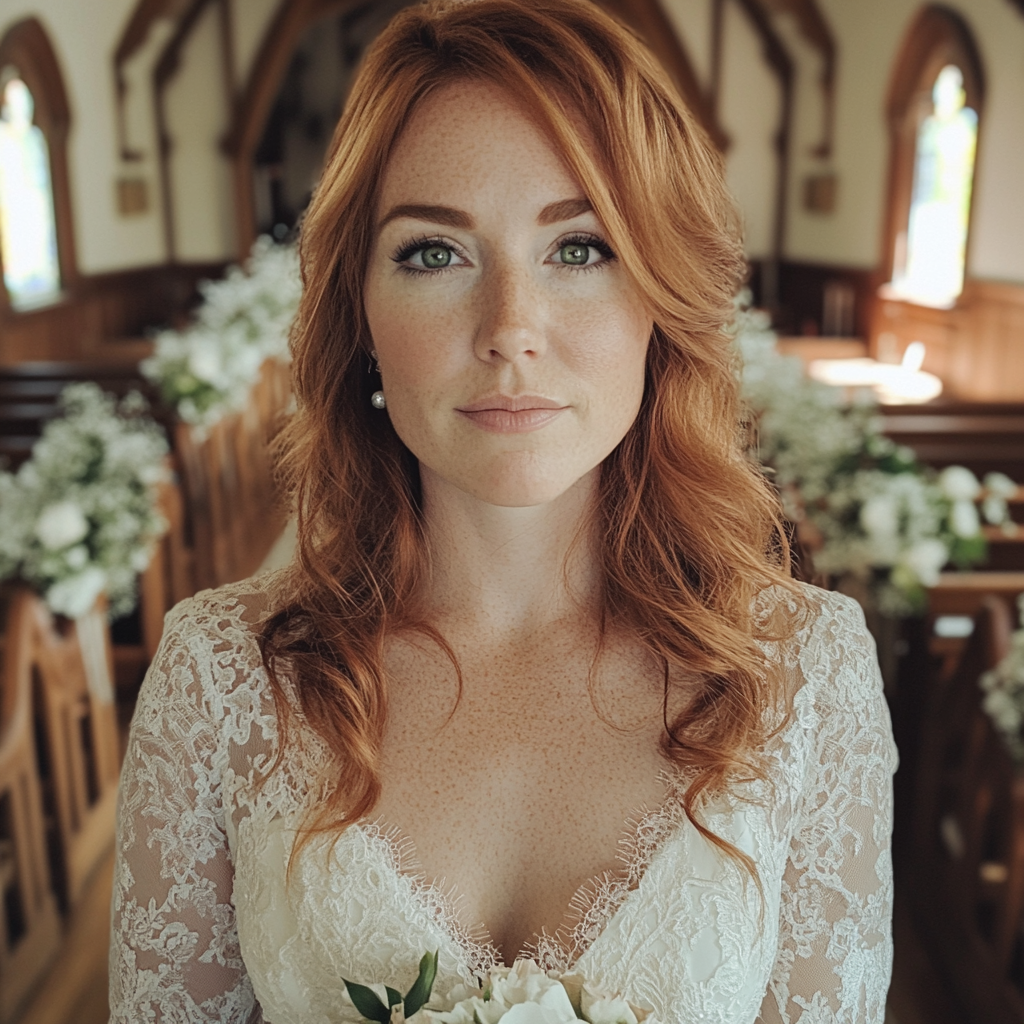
(156, 157)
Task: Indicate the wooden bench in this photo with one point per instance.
(71, 669)
(968, 835)
(29, 924)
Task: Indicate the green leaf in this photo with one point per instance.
(394, 996)
(368, 1003)
(417, 996)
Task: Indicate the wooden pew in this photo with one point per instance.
(968, 835)
(29, 924)
(984, 437)
(79, 754)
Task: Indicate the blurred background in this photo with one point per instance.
(155, 159)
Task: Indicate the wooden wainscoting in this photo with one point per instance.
(977, 347)
(103, 315)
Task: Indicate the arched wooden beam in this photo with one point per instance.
(27, 47)
(936, 37)
(134, 36)
(779, 60)
(294, 16)
(815, 29)
(165, 69)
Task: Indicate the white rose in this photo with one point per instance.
(75, 595)
(1000, 485)
(959, 484)
(61, 524)
(964, 520)
(880, 517)
(602, 1007)
(926, 559)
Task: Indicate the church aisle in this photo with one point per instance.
(74, 990)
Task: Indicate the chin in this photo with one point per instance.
(524, 488)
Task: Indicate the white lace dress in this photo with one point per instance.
(206, 927)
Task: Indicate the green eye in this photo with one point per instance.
(436, 256)
(574, 254)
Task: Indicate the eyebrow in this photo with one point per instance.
(563, 209)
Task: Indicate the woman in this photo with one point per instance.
(540, 593)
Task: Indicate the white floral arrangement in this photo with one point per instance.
(1004, 692)
(208, 369)
(79, 517)
(863, 506)
(520, 994)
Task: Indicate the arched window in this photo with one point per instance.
(28, 229)
(934, 109)
(36, 245)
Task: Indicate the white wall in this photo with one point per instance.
(200, 173)
(749, 110)
(250, 21)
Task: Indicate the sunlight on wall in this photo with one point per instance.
(28, 235)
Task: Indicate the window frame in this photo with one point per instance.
(936, 38)
(27, 47)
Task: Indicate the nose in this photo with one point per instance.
(511, 326)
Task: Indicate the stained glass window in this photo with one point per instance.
(935, 243)
(28, 235)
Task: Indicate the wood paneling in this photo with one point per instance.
(976, 348)
(103, 316)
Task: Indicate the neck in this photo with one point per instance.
(508, 570)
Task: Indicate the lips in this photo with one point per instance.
(506, 414)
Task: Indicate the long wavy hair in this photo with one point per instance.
(687, 529)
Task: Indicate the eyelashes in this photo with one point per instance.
(414, 246)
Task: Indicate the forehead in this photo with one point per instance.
(471, 137)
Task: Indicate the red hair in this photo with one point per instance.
(687, 529)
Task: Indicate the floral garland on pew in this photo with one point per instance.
(1004, 692)
(79, 518)
(864, 508)
(208, 369)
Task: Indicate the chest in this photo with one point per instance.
(522, 785)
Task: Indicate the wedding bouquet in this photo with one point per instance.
(1004, 692)
(208, 369)
(79, 517)
(520, 994)
(863, 506)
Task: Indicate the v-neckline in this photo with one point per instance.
(590, 911)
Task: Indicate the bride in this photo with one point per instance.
(539, 683)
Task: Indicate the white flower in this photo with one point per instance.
(959, 484)
(1000, 485)
(77, 557)
(926, 559)
(75, 595)
(600, 1006)
(61, 525)
(963, 519)
(879, 516)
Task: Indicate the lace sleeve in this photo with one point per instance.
(835, 945)
(174, 954)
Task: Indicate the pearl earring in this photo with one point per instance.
(378, 401)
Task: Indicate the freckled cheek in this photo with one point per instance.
(415, 340)
(607, 346)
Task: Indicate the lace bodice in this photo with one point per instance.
(206, 927)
